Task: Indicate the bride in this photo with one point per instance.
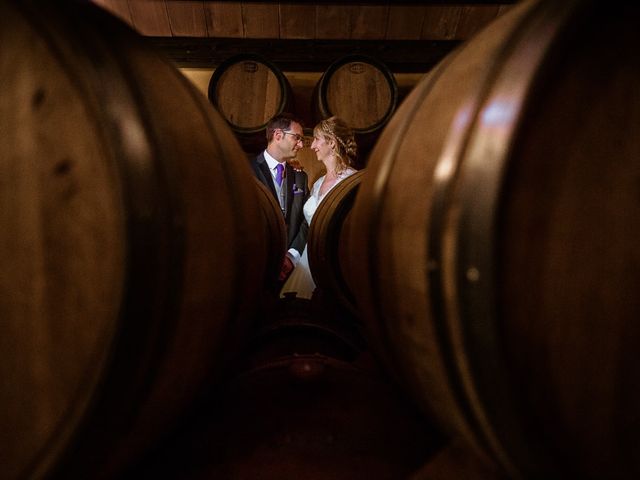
(335, 147)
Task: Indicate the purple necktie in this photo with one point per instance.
(279, 170)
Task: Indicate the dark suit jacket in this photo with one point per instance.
(296, 193)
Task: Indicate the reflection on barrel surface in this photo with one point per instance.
(494, 242)
(130, 247)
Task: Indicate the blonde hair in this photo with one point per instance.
(346, 149)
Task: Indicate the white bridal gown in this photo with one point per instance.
(300, 280)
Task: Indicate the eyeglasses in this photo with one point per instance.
(297, 136)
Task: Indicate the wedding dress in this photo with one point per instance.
(300, 281)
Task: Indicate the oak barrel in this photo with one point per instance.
(495, 241)
(304, 403)
(248, 90)
(327, 238)
(129, 245)
(362, 91)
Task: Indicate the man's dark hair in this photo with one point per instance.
(282, 121)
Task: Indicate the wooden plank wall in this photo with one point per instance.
(250, 20)
(286, 27)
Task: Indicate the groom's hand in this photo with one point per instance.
(286, 269)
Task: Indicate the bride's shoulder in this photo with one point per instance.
(348, 172)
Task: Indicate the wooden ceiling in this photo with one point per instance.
(303, 36)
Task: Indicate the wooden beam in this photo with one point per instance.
(369, 2)
(410, 56)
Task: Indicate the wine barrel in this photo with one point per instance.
(362, 91)
(495, 242)
(327, 239)
(318, 418)
(303, 403)
(275, 232)
(129, 243)
(248, 90)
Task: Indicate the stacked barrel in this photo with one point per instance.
(485, 258)
(132, 250)
(249, 89)
(140, 260)
(492, 246)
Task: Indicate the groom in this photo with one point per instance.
(288, 185)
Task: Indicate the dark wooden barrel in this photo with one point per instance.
(248, 90)
(304, 402)
(361, 90)
(275, 233)
(328, 234)
(130, 243)
(495, 235)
